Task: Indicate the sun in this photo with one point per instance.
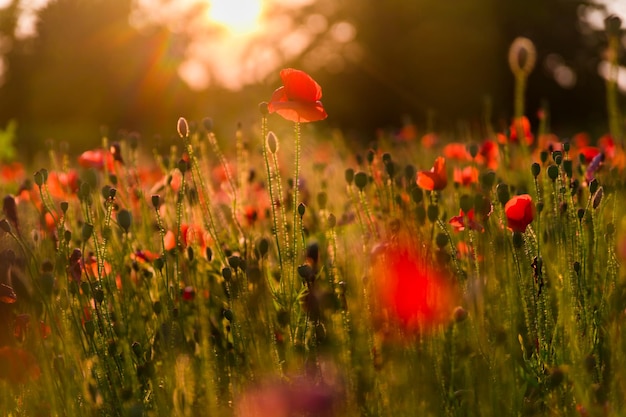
(237, 16)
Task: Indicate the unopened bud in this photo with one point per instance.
(522, 56)
(182, 127)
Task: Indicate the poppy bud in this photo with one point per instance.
(441, 240)
(182, 127)
(360, 180)
(535, 169)
(567, 167)
(156, 201)
(522, 56)
(433, 213)
(38, 178)
(87, 231)
(553, 172)
(502, 190)
(597, 197)
(271, 141)
(227, 274)
(488, 179)
(459, 314)
(417, 195)
(349, 175)
(228, 315)
(466, 203)
(182, 166)
(262, 247)
(124, 219)
(207, 122)
(301, 209)
(263, 108)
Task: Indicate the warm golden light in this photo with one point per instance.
(238, 16)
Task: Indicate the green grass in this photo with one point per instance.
(152, 292)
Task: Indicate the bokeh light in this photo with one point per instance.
(237, 16)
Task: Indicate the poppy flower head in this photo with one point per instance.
(411, 290)
(521, 125)
(298, 99)
(436, 178)
(519, 212)
(97, 158)
(465, 176)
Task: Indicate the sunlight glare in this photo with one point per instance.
(238, 16)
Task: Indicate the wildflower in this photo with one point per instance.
(12, 172)
(519, 212)
(456, 151)
(429, 140)
(463, 220)
(436, 178)
(298, 99)
(521, 125)
(589, 152)
(488, 154)
(97, 158)
(465, 176)
(415, 294)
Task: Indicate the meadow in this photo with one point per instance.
(431, 274)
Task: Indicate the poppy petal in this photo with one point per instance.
(297, 111)
(300, 86)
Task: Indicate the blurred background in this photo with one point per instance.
(68, 67)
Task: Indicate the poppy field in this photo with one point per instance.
(289, 274)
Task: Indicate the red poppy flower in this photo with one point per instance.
(488, 154)
(416, 294)
(465, 176)
(456, 151)
(463, 220)
(521, 125)
(436, 178)
(96, 159)
(519, 212)
(298, 99)
(589, 152)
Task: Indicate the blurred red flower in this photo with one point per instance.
(413, 291)
(463, 220)
(436, 178)
(589, 152)
(456, 150)
(488, 154)
(298, 99)
(519, 212)
(97, 158)
(465, 176)
(521, 125)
